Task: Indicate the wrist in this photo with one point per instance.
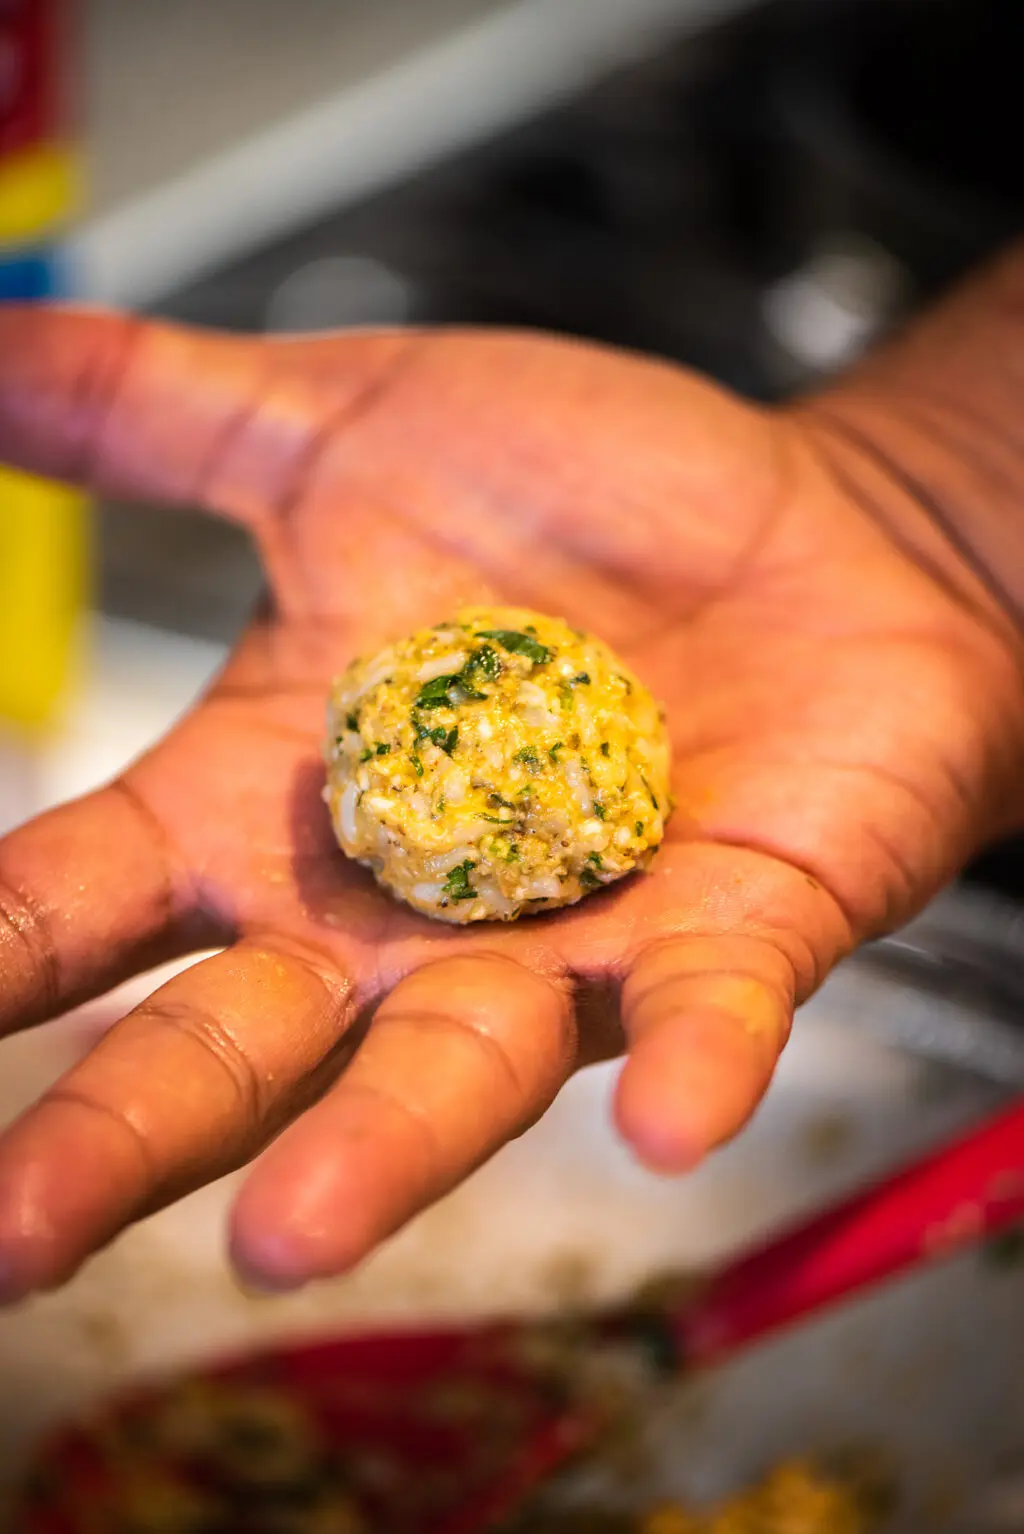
(928, 434)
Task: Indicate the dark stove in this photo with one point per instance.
(758, 202)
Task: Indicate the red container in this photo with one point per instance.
(31, 74)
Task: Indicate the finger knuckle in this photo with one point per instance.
(219, 1047)
(26, 931)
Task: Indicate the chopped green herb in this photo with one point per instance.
(530, 628)
(438, 693)
(519, 644)
(417, 765)
(529, 758)
(486, 660)
(441, 805)
(446, 740)
(589, 879)
(595, 859)
(599, 810)
(495, 820)
(639, 828)
(606, 749)
(503, 804)
(554, 750)
(505, 848)
(435, 694)
(457, 885)
(582, 679)
(383, 748)
(650, 791)
(352, 722)
(365, 754)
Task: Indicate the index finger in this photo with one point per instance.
(91, 893)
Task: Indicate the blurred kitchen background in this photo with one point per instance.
(754, 189)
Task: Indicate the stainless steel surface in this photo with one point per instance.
(949, 987)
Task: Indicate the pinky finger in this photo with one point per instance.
(706, 1019)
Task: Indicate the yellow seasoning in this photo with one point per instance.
(44, 575)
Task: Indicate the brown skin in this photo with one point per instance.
(848, 725)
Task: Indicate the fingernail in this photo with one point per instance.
(263, 1286)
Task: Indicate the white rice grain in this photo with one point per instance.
(497, 904)
(442, 665)
(444, 862)
(532, 696)
(577, 781)
(381, 671)
(455, 786)
(347, 812)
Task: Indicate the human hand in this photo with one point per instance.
(847, 723)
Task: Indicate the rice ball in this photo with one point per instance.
(495, 765)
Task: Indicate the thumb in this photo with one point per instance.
(152, 411)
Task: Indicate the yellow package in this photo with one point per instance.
(39, 187)
(44, 579)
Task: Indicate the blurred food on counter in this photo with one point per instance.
(290, 1451)
(794, 1498)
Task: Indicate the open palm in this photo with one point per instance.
(847, 727)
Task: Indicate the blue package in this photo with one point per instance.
(31, 276)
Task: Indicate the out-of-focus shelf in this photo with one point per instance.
(214, 128)
(172, 86)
